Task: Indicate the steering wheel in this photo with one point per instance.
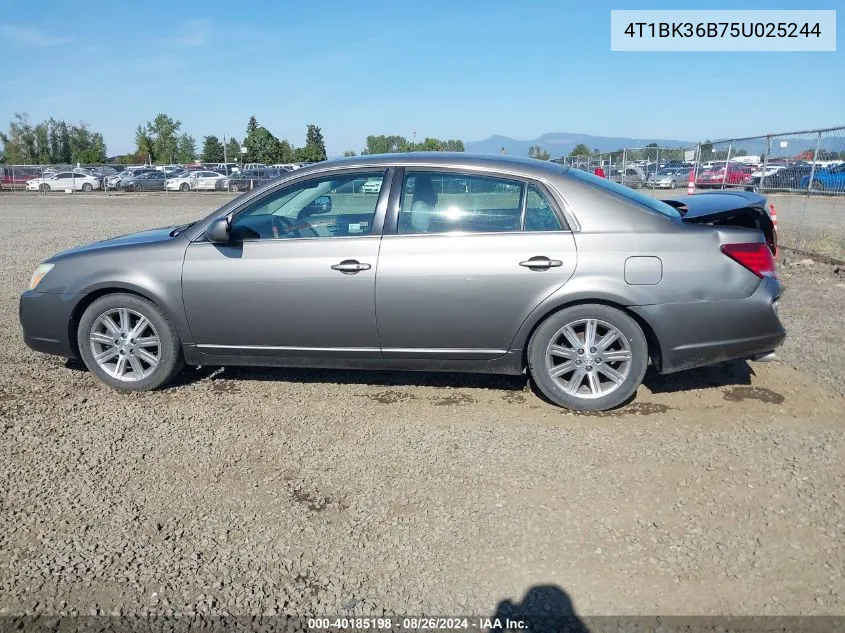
(282, 225)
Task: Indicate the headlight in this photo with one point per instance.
(38, 275)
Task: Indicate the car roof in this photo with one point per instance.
(518, 165)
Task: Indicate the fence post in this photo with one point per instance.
(624, 158)
(727, 162)
(765, 160)
(813, 167)
(656, 169)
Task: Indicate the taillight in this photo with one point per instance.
(756, 257)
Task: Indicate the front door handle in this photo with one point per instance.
(351, 266)
(541, 262)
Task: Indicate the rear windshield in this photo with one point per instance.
(642, 200)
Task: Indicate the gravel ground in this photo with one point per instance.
(277, 491)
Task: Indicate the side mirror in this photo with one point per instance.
(218, 232)
(323, 204)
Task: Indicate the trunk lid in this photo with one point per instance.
(728, 208)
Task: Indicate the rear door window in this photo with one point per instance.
(440, 202)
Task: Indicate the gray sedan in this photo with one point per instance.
(527, 266)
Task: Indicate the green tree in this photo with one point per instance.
(143, 144)
(382, 144)
(159, 138)
(262, 146)
(212, 149)
(186, 148)
(580, 150)
(452, 145)
(19, 140)
(252, 125)
(284, 152)
(233, 150)
(315, 147)
(535, 151)
(349, 153)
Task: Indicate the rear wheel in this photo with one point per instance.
(184, 187)
(233, 187)
(588, 357)
(817, 186)
(44, 187)
(87, 186)
(129, 343)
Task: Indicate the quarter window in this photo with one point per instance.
(439, 202)
(539, 214)
(320, 207)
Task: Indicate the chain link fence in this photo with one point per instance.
(801, 173)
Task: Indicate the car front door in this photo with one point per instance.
(297, 279)
(468, 259)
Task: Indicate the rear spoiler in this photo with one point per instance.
(728, 208)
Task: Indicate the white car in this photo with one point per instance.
(371, 186)
(194, 181)
(770, 169)
(60, 181)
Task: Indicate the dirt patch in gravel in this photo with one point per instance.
(261, 491)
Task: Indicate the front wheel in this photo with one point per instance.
(233, 187)
(816, 186)
(588, 357)
(129, 343)
(87, 187)
(184, 187)
(44, 187)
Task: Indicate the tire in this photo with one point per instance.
(162, 343)
(602, 383)
(816, 186)
(184, 187)
(87, 187)
(44, 187)
(233, 188)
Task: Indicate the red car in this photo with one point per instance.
(14, 179)
(737, 175)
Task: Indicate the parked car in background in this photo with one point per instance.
(582, 295)
(829, 179)
(194, 181)
(631, 176)
(787, 178)
(669, 178)
(16, 178)
(146, 181)
(732, 174)
(63, 180)
(247, 179)
(119, 180)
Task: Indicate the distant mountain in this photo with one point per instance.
(561, 143)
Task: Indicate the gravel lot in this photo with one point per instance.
(277, 491)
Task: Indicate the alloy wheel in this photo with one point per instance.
(125, 344)
(588, 358)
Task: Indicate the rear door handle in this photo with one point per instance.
(351, 266)
(541, 262)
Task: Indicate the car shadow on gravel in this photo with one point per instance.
(542, 608)
(727, 374)
(353, 377)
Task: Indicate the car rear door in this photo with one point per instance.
(462, 267)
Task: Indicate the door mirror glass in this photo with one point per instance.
(218, 232)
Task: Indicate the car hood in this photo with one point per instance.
(149, 236)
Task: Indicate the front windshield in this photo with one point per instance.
(631, 195)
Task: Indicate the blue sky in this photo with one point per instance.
(450, 69)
